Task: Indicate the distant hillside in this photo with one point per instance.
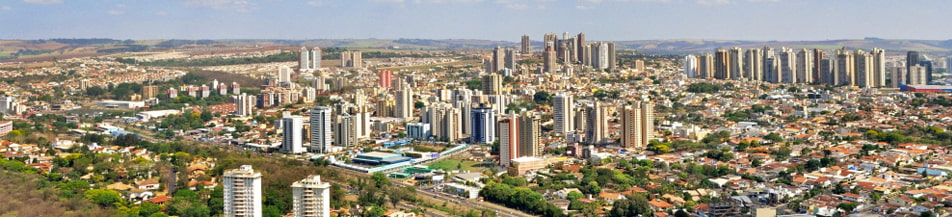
(684, 46)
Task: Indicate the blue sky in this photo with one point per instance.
(476, 19)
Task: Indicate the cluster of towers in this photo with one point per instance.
(842, 67)
(310, 59)
(243, 194)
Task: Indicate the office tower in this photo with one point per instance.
(351, 59)
(492, 84)
(529, 132)
(149, 91)
(498, 59)
(242, 192)
(597, 130)
(292, 127)
(549, 40)
(827, 75)
(918, 75)
(572, 50)
(311, 197)
(563, 108)
(899, 77)
(466, 108)
(549, 59)
(912, 59)
(508, 140)
(484, 122)
(736, 59)
(804, 66)
(384, 78)
(244, 105)
(444, 120)
(304, 63)
(284, 75)
(580, 45)
(863, 70)
(316, 58)
(526, 45)
(561, 50)
(345, 131)
(404, 106)
(845, 67)
(753, 64)
(690, 66)
(419, 131)
(639, 65)
(722, 64)
(510, 62)
(927, 64)
(601, 55)
(879, 67)
(321, 134)
(788, 65)
(611, 58)
(705, 67)
(818, 55)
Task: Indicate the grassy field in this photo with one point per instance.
(452, 165)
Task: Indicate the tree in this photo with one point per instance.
(103, 197)
(419, 104)
(542, 97)
(681, 213)
(148, 208)
(631, 206)
(773, 137)
(95, 92)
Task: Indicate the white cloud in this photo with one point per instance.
(5, 8)
(43, 2)
(583, 7)
(226, 5)
(115, 12)
(512, 5)
(161, 13)
(714, 2)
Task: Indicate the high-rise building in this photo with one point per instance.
(508, 140)
(316, 58)
(580, 46)
(362, 121)
(818, 73)
(385, 106)
(912, 58)
(444, 120)
(804, 66)
(419, 131)
(736, 59)
(690, 66)
(597, 130)
(244, 105)
(351, 59)
(529, 132)
(284, 75)
(304, 63)
(879, 67)
(404, 106)
(586, 55)
(705, 67)
(612, 58)
(492, 84)
(526, 47)
(498, 59)
(293, 129)
(772, 69)
(311, 197)
(345, 131)
(827, 72)
(510, 62)
(753, 65)
(601, 58)
(384, 77)
(484, 122)
(242, 192)
(84, 84)
(549, 40)
(863, 70)
(563, 107)
(918, 75)
(639, 65)
(845, 67)
(722, 64)
(321, 134)
(548, 57)
(927, 64)
(898, 76)
(150, 91)
(788, 65)
(647, 123)
(637, 125)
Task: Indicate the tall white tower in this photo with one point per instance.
(563, 104)
(320, 129)
(242, 192)
(292, 126)
(311, 197)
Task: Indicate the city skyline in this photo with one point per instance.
(610, 20)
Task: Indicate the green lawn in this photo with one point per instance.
(452, 165)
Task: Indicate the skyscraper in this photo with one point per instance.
(788, 65)
(484, 122)
(736, 56)
(611, 57)
(404, 107)
(597, 130)
(444, 120)
(304, 63)
(690, 66)
(630, 125)
(284, 75)
(244, 105)
(242, 192)
(912, 59)
(384, 78)
(526, 47)
(508, 140)
(864, 75)
(510, 62)
(705, 67)
(753, 65)
(492, 84)
(321, 134)
(562, 113)
(845, 67)
(600, 55)
(548, 57)
(917, 75)
(316, 58)
(647, 122)
(529, 133)
(499, 59)
(351, 59)
(879, 67)
(804, 66)
(311, 197)
(292, 127)
(549, 40)
(345, 131)
(722, 64)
